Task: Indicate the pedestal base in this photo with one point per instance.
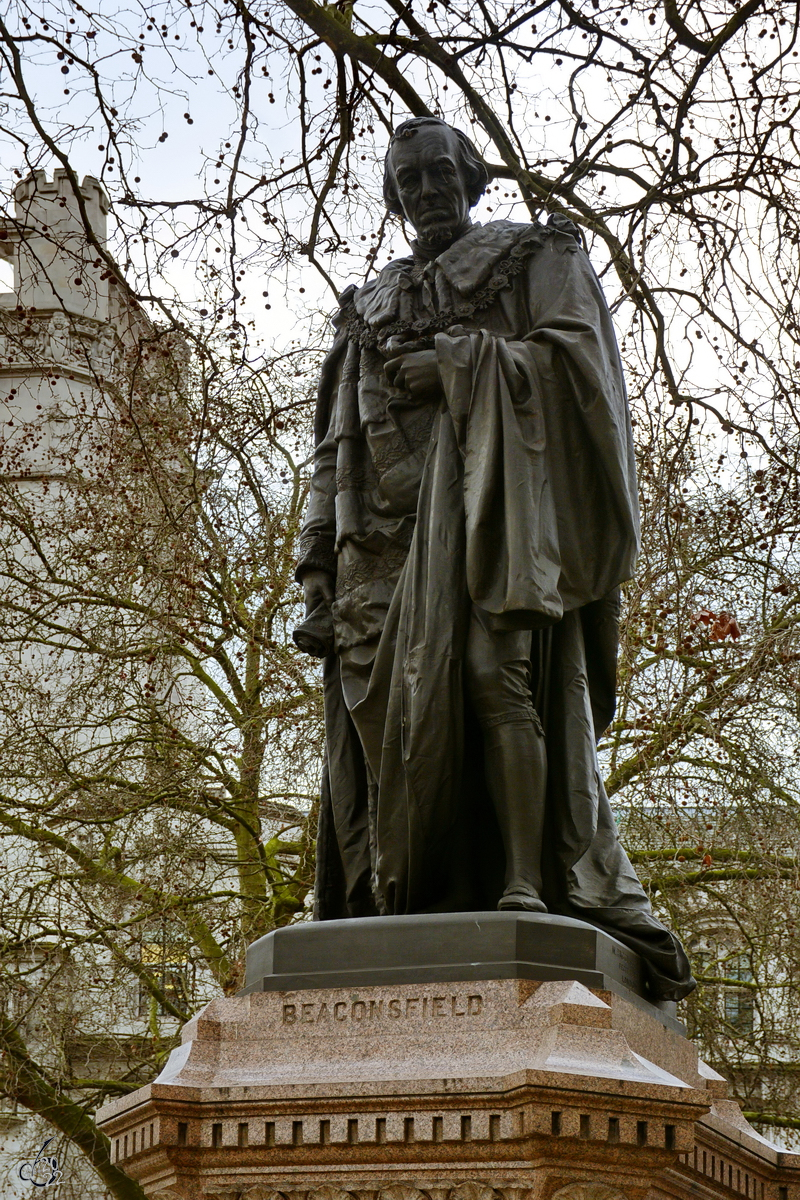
(450, 947)
(476, 1090)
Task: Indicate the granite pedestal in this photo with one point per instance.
(449, 947)
(354, 1079)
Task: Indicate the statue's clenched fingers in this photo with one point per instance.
(417, 373)
(393, 367)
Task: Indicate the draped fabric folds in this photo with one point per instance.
(524, 504)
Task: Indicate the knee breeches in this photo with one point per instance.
(497, 673)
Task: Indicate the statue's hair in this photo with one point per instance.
(474, 167)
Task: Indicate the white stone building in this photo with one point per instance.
(64, 326)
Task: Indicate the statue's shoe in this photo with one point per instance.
(521, 902)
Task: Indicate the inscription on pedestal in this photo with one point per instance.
(626, 966)
(396, 1008)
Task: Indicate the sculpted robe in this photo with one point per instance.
(515, 491)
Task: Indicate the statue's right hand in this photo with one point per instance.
(318, 587)
(416, 373)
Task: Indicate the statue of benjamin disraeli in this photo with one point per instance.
(473, 513)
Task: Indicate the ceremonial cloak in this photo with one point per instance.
(514, 490)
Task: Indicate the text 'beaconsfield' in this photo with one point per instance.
(357, 1011)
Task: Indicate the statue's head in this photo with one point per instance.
(433, 175)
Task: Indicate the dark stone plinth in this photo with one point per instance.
(447, 947)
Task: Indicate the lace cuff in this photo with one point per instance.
(315, 553)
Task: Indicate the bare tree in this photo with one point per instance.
(158, 732)
(703, 755)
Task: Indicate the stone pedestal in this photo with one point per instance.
(506, 1088)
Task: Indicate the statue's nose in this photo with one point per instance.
(429, 187)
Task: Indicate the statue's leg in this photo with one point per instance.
(497, 669)
(515, 770)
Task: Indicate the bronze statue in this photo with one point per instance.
(473, 512)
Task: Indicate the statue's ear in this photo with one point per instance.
(479, 183)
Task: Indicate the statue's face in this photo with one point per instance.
(431, 184)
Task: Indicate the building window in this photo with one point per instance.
(739, 1005)
(168, 966)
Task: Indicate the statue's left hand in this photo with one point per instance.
(416, 372)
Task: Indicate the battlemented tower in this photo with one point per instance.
(64, 323)
(56, 266)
